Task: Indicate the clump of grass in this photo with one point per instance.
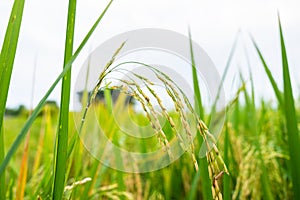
(253, 147)
(6, 60)
(287, 107)
(132, 88)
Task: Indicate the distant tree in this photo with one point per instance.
(52, 103)
(100, 97)
(15, 111)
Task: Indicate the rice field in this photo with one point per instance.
(44, 152)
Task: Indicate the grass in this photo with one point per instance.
(202, 174)
(63, 125)
(260, 142)
(226, 181)
(286, 103)
(270, 76)
(181, 171)
(7, 58)
(291, 120)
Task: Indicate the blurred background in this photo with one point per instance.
(214, 26)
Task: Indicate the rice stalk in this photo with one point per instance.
(40, 144)
(179, 107)
(153, 118)
(132, 88)
(23, 171)
(151, 114)
(140, 96)
(212, 172)
(63, 124)
(166, 114)
(226, 180)
(75, 184)
(173, 91)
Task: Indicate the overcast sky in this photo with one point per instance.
(214, 25)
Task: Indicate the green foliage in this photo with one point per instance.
(7, 58)
(226, 180)
(63, 124)
(291, 120)
(270, 76)
(287, 105)
(42, 102)
(202, 174)
(260, 143)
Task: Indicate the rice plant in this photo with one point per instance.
(7, 58)
(256, 157)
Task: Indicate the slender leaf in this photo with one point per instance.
(193, 191)
(269, 74)
(198, 100)
(7, 58)
(62, 135)
(2, 153)
(291, 120)
(203, 165)
(8, 52)
(226, 181)
(228, 63)
(251, 76)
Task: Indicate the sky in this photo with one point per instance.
(214, 25)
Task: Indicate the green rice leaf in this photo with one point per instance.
(269, 74)
(7, 58)
(2, 154)
(203, 165)
(198, 100)
(226, 181)
(62, 135)
(228, 63)
(291, 120)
